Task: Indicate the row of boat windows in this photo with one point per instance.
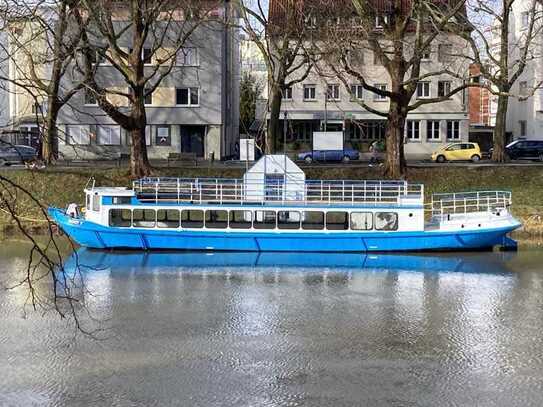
(261, 219)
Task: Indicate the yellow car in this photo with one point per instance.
(458, 152)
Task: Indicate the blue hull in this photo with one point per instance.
(91, 235)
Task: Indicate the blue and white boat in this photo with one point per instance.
(274, 208)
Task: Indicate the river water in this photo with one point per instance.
(279, 330)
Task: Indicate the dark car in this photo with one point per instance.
(525, 150)
(16, 154)
(344, 155)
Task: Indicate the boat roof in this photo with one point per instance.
(117, 191)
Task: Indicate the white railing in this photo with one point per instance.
(205, 190)
(444, 206)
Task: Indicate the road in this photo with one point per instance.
(240, 164)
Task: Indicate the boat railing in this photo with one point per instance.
(277, 191)
(446, 205)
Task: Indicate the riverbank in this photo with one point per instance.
(60, 187)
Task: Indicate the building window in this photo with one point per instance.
(383, 87)
(522, 128)
(78, 135)
(187, 96)
(163, 135)
(148, 131)
(525, 19)
(423, 90)
(90, 98)
(432, 130)
(287, 93)
(148, 97)
(380, 21)
(357, 91)
(377, 59)
(426, 54)
(413, 130)
(443, 88)
(523, 90)
(146, 55)
(453, 130)
(188, 56)
(444, 53)
(309, 92)
(109, 135)
(332, 92)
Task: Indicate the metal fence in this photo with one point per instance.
(217, 190)
(463, 203)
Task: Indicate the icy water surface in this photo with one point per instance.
(282, 330)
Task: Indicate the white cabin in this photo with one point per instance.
(274, 177)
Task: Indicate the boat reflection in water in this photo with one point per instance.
(92, 260)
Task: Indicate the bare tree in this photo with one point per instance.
(43, 40)
(503, 50)
(401, 35)
(141, 40)
(281, 35)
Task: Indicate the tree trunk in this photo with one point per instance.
(395, 166)
(50, 136)
(139, 162)
(498, 153)
(274, 127)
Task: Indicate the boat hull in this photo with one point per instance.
(95, 236)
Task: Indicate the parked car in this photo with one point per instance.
(344, 155)
(16, 154)
(525, 150)
(458, 152)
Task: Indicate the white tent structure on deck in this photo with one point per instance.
(274, 178)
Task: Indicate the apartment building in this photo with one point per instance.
(324, 102)
(195, 109)
(525, 106)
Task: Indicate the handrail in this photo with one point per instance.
(217, 190)
(445, 205)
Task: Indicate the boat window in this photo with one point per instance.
(96, 203)
(121, 218)
(167, 218)
(288, 219)
(361, 220)
(192, 219)
(144, 218)
(386, 221)
(337, 220)
(313, 220)
(121, 200)
(217, 219)
(264, 220)
(88, 201)
(241, 219)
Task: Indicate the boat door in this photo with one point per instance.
(273, 187)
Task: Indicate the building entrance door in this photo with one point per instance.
(192, 139)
